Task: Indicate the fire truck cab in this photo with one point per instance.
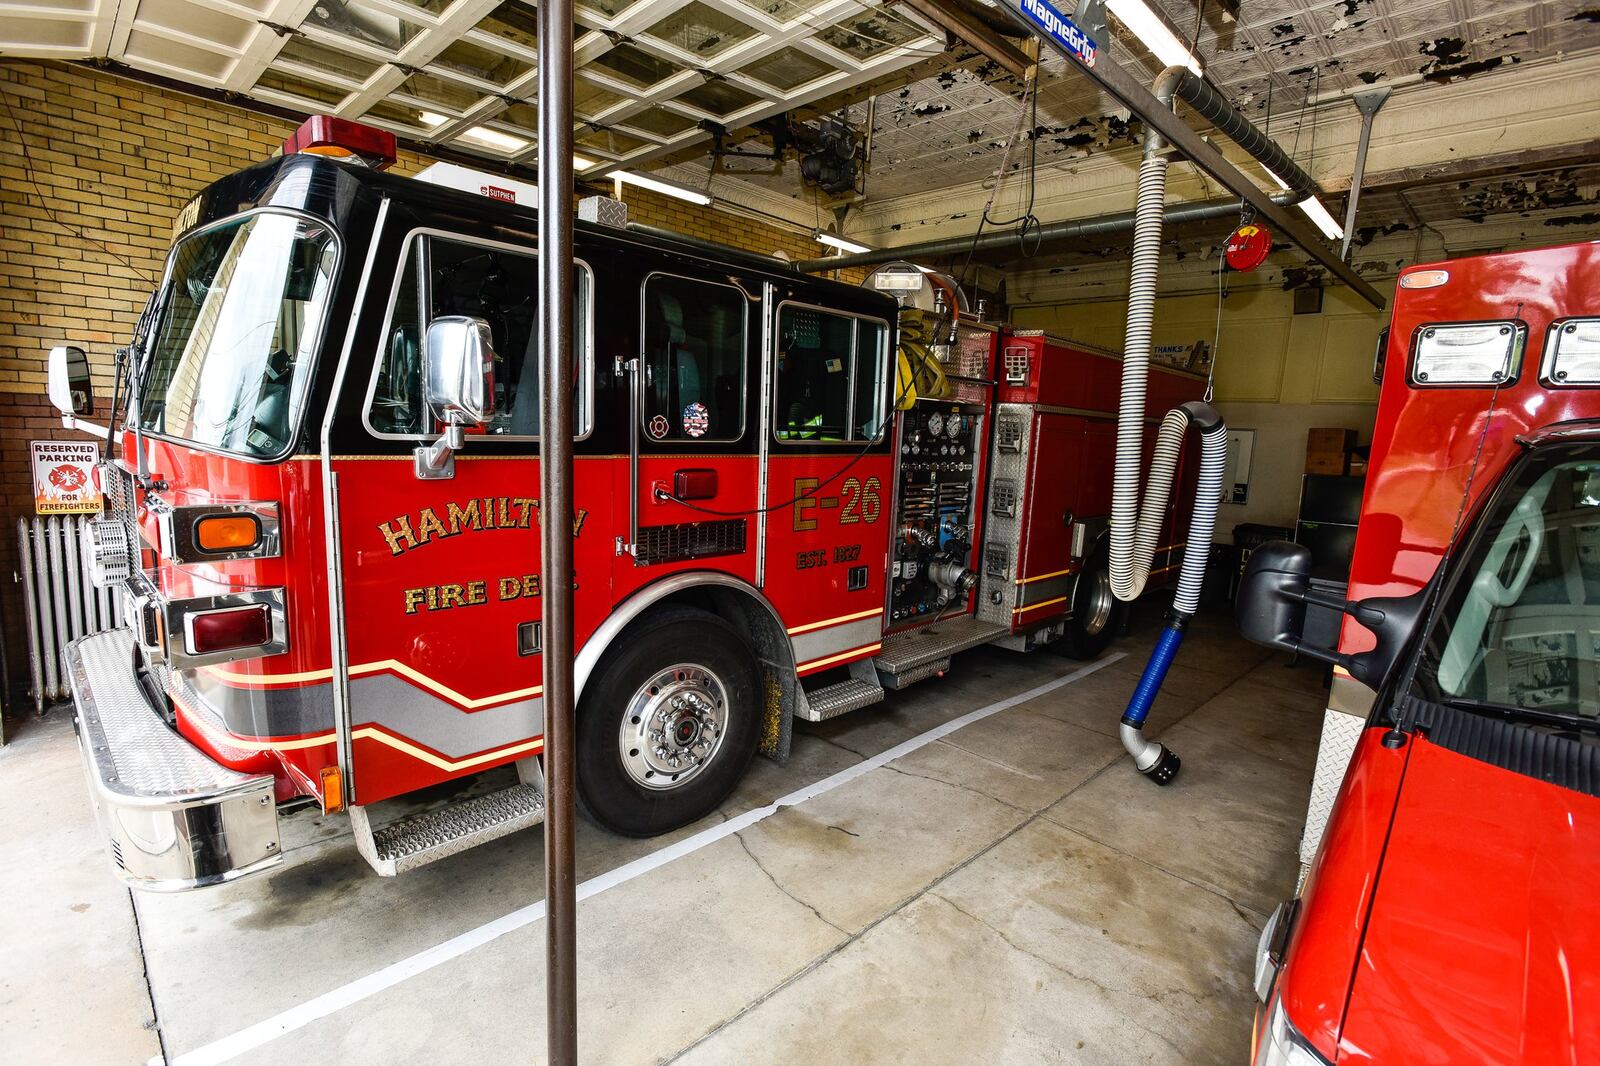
(1445, 916)
(324, 519)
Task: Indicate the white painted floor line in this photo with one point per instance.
(303, 1014)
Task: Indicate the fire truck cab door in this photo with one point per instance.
(694, 472)
(439, 577)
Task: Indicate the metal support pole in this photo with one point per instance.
(555, 524)
(1368, 102)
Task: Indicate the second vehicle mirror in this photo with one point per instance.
(1271, 607)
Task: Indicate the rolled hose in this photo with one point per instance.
(1135, 524)
(918, 374)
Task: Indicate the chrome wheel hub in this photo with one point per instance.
(1097, 611)
(673, 726)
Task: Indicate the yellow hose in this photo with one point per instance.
(919, 374)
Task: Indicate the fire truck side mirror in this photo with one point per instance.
(1271, 608)
(458, 379)
(70, 387)
(457, 386)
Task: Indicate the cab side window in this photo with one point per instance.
(694, 360)
(446, 277)
(830, 376)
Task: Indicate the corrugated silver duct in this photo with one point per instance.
(60, 603)
(1046, 235)
(1212, 106)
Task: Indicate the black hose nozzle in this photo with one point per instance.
(1165, 769)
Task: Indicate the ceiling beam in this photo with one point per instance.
(1104, 71)
(954, 20)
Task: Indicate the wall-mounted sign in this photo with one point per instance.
(1196, 356)
(65, 480)
(1248, 247)
(1236, 470)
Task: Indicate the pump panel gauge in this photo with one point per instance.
(936, 424)
(953, 426)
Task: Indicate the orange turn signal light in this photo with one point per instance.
(332, 783)
(227, 532)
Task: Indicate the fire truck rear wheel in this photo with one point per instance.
(669, 723)
(1096, 612)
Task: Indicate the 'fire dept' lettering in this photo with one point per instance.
(402, 534)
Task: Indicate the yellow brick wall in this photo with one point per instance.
(93, 170)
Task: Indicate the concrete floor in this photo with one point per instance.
(1010, 893)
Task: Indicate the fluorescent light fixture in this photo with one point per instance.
(582, 162)
(666, 188)
(1319, 214)
(1276, 180)
(834, 241)
(1157, 36)
(485, 137)
(431, 120)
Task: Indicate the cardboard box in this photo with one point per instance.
(1330, 440)
(1327, 462)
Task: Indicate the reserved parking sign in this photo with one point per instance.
(65, 480)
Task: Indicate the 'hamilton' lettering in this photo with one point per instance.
(405, 532)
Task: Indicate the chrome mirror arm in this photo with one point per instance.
(437, 461)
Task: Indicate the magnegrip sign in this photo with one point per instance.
(64, 477)
(1060, 29)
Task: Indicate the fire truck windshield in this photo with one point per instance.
(242, 315)
(1519, 629)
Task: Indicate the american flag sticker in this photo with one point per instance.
(696, 420)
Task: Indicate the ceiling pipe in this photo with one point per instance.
(1049, 234)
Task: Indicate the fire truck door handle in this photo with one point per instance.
(621, 365)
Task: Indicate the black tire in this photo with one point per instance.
(1097, 614)
(611, 771)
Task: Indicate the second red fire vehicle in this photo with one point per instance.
(1446, 916)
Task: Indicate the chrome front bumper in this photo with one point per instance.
(174, 819)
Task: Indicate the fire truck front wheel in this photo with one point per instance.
(669, 723)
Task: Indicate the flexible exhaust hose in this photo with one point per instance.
(1152, 759)
(1135, 525)
(1130, 568)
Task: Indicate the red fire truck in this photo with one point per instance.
(324, 522)
(1445, 917)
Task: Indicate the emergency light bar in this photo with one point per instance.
(1467, 353)
(1572, 352)
(342, 139)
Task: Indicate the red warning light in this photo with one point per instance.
(341, 138)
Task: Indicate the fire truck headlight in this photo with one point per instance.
(1572, 353)
(1467, 353)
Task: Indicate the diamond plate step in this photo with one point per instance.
(906, 678)
(433, 835)
(834, 700)
(903, 652)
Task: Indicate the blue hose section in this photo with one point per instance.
(1155, 672)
